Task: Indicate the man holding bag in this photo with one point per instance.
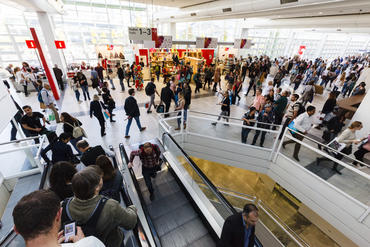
(300, 126)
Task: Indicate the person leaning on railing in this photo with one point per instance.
(362, 150)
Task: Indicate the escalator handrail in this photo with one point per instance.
(12, 234)
(137, 187)
(212, 187)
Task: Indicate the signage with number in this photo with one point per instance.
(60, 44)
(31, 44)
(141, 33)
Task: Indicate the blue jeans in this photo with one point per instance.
(111, 83)
(137, 119)
(85, 91)
(122, 85)
(179, 119)
(245, 132)
(77, 93)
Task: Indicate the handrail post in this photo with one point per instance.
(275, 143)
(182, 127)
(280, 144)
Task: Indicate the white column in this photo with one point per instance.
(48, 32)
(173, 30)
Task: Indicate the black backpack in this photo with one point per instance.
(149, 89)
(88, 228)
(301, 108)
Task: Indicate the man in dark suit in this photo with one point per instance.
(166, 96)
(58, 75)
(90, 154)
(132, 112)
(238, 229)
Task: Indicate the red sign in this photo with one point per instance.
(60, 44)
(302, 48)
(31, 44)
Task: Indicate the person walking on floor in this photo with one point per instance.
(128, 73)
(294, 109)
(302, 124)
(150, 157)
(279, 107)
(225, 108)
(83, 84)
(132, 112)
(95, 81)
(151, 90)
(48, 100)
(167, 95)
(348, 137)
(58, 76)
(198, 81)
(109, 103)
(248, 120)
(110, 75)
(99, 69)
(69, 125)
(96, 110)
(265, 116)
(121, 77)
(75, 85)
(217, 79)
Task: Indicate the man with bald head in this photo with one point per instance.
(48, 100)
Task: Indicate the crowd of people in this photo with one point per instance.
(91, 196)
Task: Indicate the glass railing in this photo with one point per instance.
(351, 180)
(140, 234)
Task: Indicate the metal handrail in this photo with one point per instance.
(153, 231)
(325, 146)
(199, 172)
(20, 140)
(359, 172)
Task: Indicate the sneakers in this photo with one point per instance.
(103, 134)
(148, 111)
(178, 128)
(214, 124)
(112, 121)
(143, 128)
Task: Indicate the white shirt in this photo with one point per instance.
(303, 122)
(47, 97)
(90, 241)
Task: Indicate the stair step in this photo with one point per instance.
(160, 207)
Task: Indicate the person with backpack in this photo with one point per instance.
(96, 214)
(293, 110)
(132, 112)
(46, 99)
(72, 126)
(151, 90)
(61, 151)
(150, 157)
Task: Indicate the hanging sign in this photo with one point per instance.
(301, 49)
(60, 44)
(141, 33)
(242, 43)
(31, 44)
(163, 42)
(206, 42)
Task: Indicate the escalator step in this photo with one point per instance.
(158, 208)
(162, 177)
(174, 219)
(161, 191)
(205, 241)
(185, 235)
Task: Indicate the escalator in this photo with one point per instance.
(176, 216)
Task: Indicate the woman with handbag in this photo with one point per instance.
(96, 110)
(70, 125)
(347, 137)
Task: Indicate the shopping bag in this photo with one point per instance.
(292, 130)
(106, 114)
(160, 108)
(146, 105)
(50, 115)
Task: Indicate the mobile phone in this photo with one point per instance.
(69, 230)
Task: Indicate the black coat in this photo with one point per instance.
(96, 109)
(167, 95)
(233, 233)
(120, 73)
(131, 107)
(90, 155)
(58, 74)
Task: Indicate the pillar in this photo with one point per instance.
(47, 29)
(173, 30)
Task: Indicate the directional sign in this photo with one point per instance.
(60, 44)
(141, 33)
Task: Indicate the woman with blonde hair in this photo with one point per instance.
(339, 81)
(96, 110)
(348, 137)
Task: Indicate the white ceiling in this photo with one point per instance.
(175, 3)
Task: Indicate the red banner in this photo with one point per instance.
(31, 44)
(60, 44)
